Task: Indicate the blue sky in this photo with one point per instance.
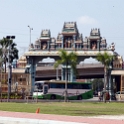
(16, 15)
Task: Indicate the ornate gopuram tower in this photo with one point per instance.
(70, 40)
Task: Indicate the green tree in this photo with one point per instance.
(67, 59)
(106, 59)
(97, 84)
(5, 44)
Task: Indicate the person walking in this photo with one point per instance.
(99, 95)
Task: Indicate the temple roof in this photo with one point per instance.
(95, 32)
(103, 39)
(59, 37)
(69, 27)
(45, 33)
(53, 39)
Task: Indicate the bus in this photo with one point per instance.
(55, 89)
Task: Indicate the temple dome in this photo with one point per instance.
(22, 59)
(103, 39)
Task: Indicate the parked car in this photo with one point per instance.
(119, 95)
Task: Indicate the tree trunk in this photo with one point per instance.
(105, 82)
(4, 71)
(66, 81)
(1, 82)
(5, 67)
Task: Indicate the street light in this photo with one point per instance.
(9, 66)
(30, 32)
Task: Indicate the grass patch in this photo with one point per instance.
(61, 108)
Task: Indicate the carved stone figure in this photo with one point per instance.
(44, 46)
(93, 46)
(112, 46)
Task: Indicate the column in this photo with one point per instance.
(48, 45)
(62, 42)
(98, 45)
(32, 73)
(62, 73)
(89, 47)
(73, 77)
(112, 88)
(74, 38)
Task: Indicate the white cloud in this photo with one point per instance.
(86, 20)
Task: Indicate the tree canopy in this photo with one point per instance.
(67, 59)
(8, 46)
(105, 58)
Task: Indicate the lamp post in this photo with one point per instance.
(30, 33)
(9, 66)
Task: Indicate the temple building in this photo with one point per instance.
(70, 39)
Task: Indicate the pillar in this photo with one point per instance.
(73, 76)
(32, 73)
(48, 45)
(62, 42)
(98, 45)
(74, 38)
(62, 73)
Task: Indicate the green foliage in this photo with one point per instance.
(105, 58)
(12, 96)
(5, 43)
(4, 81)
(97, 84)
(67, 59)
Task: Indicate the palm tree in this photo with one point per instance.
(5, 43)
(67, 59)
(1, 62)
(106, 60)
(8, 51)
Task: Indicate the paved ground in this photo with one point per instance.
(34, 118)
